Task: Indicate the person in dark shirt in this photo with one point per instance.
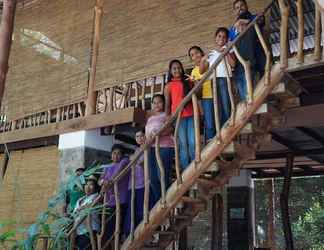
(246, 47)
(239, 7)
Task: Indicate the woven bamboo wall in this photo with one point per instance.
(139, 40)
(50, 55)
(31, 178)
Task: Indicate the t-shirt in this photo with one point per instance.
(206, 88)
(95, 220)
(176, 95)
(153, 124)
(220, 70)
(111, 171)
(139, 173)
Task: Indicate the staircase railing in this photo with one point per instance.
(180, 185)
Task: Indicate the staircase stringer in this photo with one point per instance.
(244, 112)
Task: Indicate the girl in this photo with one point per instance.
(154, 123)
(119, 162)
(139, 188)
(196, 54)
(177, 88)
(221, 39)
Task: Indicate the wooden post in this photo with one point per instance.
(6, 30)
(183, 239)
(176, 150)
(161, 168)
(217, 222)
(197, 128)
(118, 216)
(284, 11)
(300, 16)
(92, 94)
(317, 51)
(147, 187)
(284, 196)
(143, 94)
(215, 102)
(132, 202)
(271, 217)
(230, 93)
(45, 243)
(248, 75)
(266, 51)
(89, 228)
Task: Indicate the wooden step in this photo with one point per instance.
(207, 183)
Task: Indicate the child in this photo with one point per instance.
(196, 54)
(221, 39)
(154, 123)
(139, 188)
(247, 49)
(176, 89)
(119, 162)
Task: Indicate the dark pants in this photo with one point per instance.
(83, 241)
(139, 202)
(111, 222)
(167, 155)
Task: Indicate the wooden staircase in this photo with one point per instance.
(166, 220)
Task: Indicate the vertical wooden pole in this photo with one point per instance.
(284, 11)
(161, 168)
(183, 239)
(215, 102)
(284, 196)
(118, 216)
(317, 51)
(230, 93)
(45, 243)
(217, 222)
(147, 187)
(300, 16)
(197, 128)
(271, 219)
(176, 150)
(132, 202)
(92, 94)
(6, 30)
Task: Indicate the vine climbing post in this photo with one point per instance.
(6, 30)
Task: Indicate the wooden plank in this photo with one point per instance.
(309, 62)
(127, 115)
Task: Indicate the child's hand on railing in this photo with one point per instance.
(190, 78)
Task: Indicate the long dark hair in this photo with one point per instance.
(196, 48)
(185, 83)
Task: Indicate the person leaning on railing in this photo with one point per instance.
(223, 70)
(155, 122)
(119, 162)
(176, 89)
(82, 237)
(247, 49)
(239, 7)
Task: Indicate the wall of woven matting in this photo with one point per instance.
(30, 180)
(51, 49)
(50, 55)
(139, 38)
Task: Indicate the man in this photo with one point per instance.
(240, 7)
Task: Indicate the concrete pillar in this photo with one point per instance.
(82, 149)
(240, 212)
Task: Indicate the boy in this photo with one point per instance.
(221, 39)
